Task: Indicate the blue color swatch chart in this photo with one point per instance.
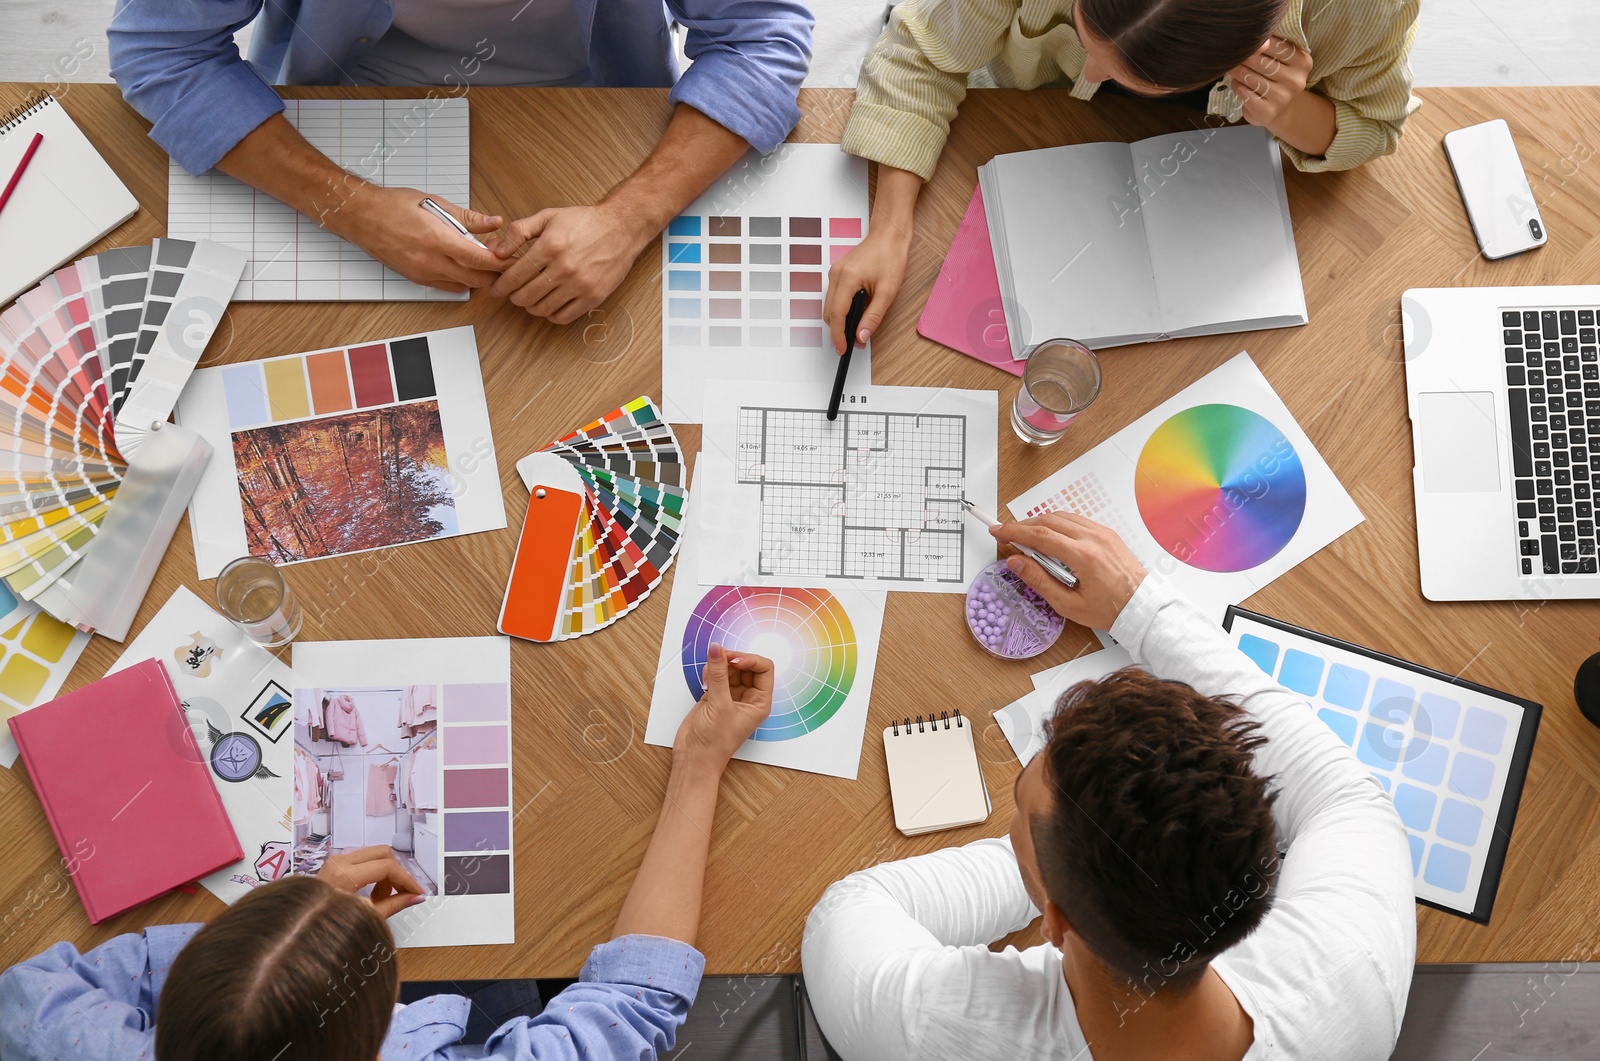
(1452, 755)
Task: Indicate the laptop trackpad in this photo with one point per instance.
(1460, 449)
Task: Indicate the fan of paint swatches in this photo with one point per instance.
(91, 360)
(602, 527)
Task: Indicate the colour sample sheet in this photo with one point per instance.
(37, 653)
(744, 271)
(344, 450)
(396, 143)
(824, 647)
(871, 499)
(1452, 755)
(237, 696)
(1217, 489)
(408, 743)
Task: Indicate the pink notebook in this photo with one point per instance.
(127, 790)
(963, 310)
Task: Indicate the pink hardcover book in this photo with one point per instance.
(963, 310)
(127, 790)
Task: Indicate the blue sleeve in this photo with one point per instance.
(177, 64)
(99, 1006)
(630, 999)
(749, 57)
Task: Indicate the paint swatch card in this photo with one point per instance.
(37, 653)
(871, 499)
(745, 271)
(408, 743)
(238, 699)
(1217, 489)
(824, 647)
(393, 143)
(343, 450)
(1451, 754)
(602, 526)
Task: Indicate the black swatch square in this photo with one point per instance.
(477, 874)
(413, 369)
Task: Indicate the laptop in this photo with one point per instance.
(1503, 386)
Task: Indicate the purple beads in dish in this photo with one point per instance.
(1007, 617)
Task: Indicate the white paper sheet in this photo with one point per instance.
(744, 272)
(468, 679)
(419, 491)
(238, 697)
(1237, 486)
(1022, 721)
(823, 642)
(871, 499)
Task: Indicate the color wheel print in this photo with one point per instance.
(806, 633)
(1220, 488)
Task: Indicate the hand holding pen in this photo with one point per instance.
(1106, 570)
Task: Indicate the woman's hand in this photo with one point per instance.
(393, 889)
(1272, 86)
(877, 264)
(737, 699)
(1108, 572)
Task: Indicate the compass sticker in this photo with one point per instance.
(236, 757)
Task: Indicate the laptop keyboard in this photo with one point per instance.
(1553, 388)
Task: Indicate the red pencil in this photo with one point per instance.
(27, 157)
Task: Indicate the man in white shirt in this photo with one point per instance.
(1219, 876)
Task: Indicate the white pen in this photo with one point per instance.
(1055, 568)
(448, 218)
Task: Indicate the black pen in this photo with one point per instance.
(852, 323)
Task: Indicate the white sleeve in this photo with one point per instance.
(1346, 880)
(879, 942)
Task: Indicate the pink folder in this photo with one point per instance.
(127, 790)
(964, 309)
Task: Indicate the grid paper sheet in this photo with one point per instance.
(397, 143)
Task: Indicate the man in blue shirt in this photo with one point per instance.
(304, 970)
(178, 66)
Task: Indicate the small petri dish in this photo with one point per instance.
(1007, 617)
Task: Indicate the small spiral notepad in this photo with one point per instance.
(934, 779)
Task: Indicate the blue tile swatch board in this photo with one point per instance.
(1452, 755)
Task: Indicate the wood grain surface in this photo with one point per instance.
(587, 789)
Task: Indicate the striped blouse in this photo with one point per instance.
(915, 76)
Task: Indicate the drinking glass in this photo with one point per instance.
(253, 595)
(1061, 379)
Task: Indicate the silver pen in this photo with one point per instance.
(1055, 568)
(448, 218)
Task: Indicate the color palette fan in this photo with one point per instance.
(93, 359)
(602, 528)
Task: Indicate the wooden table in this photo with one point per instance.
(587, 789)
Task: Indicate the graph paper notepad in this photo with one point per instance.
(412, 143)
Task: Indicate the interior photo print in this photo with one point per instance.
(366, 773)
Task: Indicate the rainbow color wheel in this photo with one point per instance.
(1220, 488)
(805, 632)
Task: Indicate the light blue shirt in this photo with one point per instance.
(178, 66)
(631, 997)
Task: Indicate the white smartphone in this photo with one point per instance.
(1494, 188)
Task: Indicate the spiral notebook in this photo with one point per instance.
(68, 197)
(934, 779)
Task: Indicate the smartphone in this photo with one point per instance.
(1494, 188)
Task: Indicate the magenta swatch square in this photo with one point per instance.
(477, 788)
(844, 227)
(475, 745)
(489, 702)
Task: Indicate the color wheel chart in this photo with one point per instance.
(806, 633)
(1220, 488)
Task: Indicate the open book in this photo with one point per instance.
(1182, 234)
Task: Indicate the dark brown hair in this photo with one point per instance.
(297, 970)
(1159, 845)
(1182, 44)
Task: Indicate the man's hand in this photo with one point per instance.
(1107, 570)
(393, 889)
(391, 225)
(738, 698)
(573, 257)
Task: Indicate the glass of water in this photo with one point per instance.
(253, 595)
(1061, 379)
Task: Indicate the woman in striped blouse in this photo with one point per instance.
(1330, 79)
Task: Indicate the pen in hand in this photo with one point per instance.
(852, 324)
(1053, 567)
(448, 218)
